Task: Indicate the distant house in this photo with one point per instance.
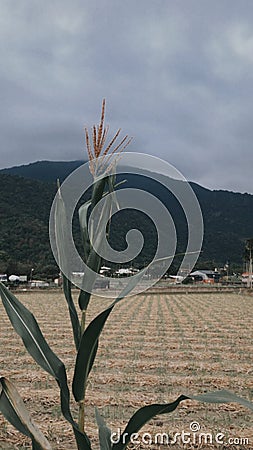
(246, 278)
(207, 276)
(126, 272)
(23, 278)
(3, 278)
(14, 279)
(100, 283)
(39, 284)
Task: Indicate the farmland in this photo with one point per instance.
(154, 347)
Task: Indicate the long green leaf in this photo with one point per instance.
(94, 259)
(14, 410)
(61, 236)
(85, 355)
(72, 311)
(83, 220)
(222, 396)
(146, 413)
(89, 343)
(84, 297)
(98, 190)
(28, 329)
(142, 416)
(62, 248)
(104, 432)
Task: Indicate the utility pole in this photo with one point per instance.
(250, 268)
(249, 248)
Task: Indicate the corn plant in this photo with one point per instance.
(86, 337)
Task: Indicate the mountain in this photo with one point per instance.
(27, 193)
(44, 170)
(24, 211)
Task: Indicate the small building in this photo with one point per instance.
(3, 278)
(247, 278)
(39, 284)
(23, 278)
(206, 276)
(126, 272)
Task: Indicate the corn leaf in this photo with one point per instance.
(222, 396)
(89, 340)
(61, 227)
(84, 299)
(89, 343)
(104, 432)
(86, 353)
(63, 255)
(146, 413)
(83, 221)
(28, 329)
(98, 190)
(94, 259)
(14, 410)
(72, 311)
(142, 416)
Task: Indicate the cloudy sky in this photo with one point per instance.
(177, 75)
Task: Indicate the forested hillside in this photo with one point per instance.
(25, 206)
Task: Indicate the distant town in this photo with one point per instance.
(108, 277)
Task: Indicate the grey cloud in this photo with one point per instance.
(177, 76)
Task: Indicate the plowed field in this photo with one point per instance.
(153, 348)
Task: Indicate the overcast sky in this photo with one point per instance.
(176, 75)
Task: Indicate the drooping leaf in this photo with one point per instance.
(104, 432)
(222, 396)
(89, 344)
(14, 410)
(146, 413)
(28, 329)
(142, 416)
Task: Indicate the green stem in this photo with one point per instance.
(83, 319)
(81, 415)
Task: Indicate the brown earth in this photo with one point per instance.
(154, 347)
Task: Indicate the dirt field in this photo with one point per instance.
(154, 348)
